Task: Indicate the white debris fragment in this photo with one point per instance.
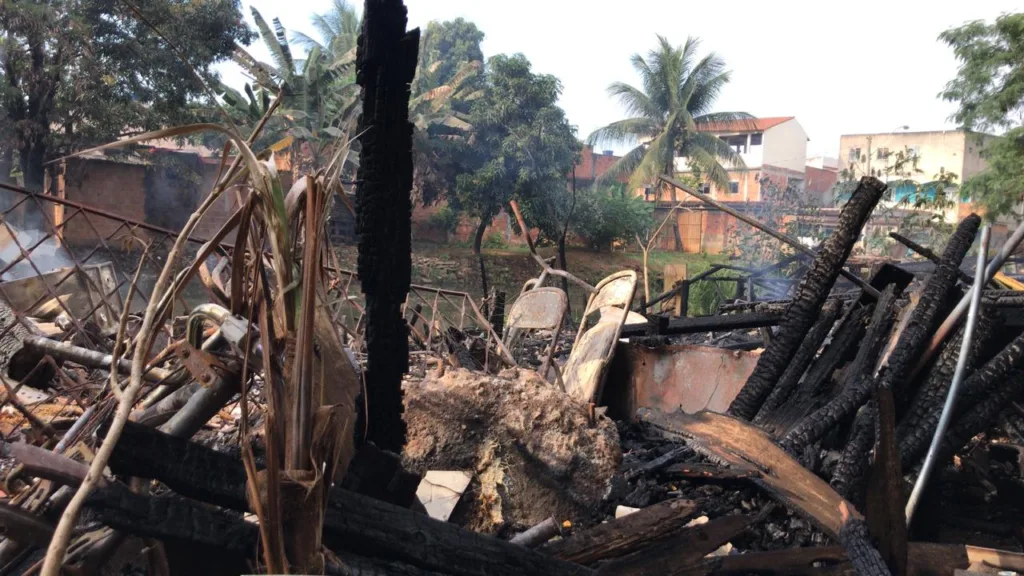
(440, 490)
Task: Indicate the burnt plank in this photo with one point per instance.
(624, 535)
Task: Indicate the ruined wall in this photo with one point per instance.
(124, 190)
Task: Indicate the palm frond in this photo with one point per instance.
(629, 130)
(282, 38)
(277, 53)
(635, 101)
(623, 166)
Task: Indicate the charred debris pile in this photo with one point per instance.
(310, 420)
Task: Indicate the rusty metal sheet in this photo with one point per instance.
(690, 377)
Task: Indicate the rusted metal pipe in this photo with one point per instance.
(958, 377)
(89, 358)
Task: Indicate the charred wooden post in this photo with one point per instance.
(980, 417)
(856, 387)
(917, 426)
(810, 296)
(816, 387)
(925, 317)
(867, 561)
(984, 380)
(385, 64)
(848, 478)
(625, 535)
(352, 522)
(808, 349)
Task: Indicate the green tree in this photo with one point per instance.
(989, 93)
(338, 29)
(77, 73)
(444, 49)
(676, 98)
(448, 78)
(521, 147)
(319, 95)
(606, 214)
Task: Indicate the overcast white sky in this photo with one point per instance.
(839, 67)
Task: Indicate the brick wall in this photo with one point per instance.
(120, 189)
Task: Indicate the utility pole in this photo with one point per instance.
(869, 155)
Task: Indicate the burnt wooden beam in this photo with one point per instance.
(817, 385)
(682, 549)
(698, 324)
(172, 518)
(866, 560)
(918, 425)
(857, 385)
(804, 355)
(352, 522)
(624, 535)
(810, 296)
(386, 61)
(925, 318)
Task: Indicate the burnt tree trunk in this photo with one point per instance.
(808, 300)
(478, 240)
(808, 349)
(385, 65)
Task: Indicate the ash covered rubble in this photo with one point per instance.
(307, 419)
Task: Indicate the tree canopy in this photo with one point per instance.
(522, 145)
(989, 93)
(77, 73)
(676, 98)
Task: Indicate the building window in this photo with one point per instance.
(913, 151)
(883, 153)
(705, 188)
(737, 143)
(755, 139)
(734, 187)
(854, 154)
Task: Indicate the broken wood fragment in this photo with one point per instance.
(624, 535)
(740, 444)
(681, 549)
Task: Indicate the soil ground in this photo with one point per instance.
(456, 268)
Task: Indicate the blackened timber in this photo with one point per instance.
(804, 356)
(925, 317)
(624, 535)
(380, 530)
(918, 425)
(682, 549)
(810, 295)
(386, 60)
(857, 385)
(865, 558)
(172, 518)
(817, 385)
(981, 416)
(697, 324)
(186, 467)
(848, 477)
(352, 522)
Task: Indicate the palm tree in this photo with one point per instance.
(338, 30)
(320, 98)
(666, 116)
